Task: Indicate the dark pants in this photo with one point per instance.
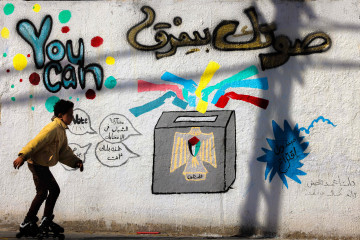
(45, 183)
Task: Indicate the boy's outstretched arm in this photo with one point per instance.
(46, 135)
(67, 157)
(18, 162)
(80, 165)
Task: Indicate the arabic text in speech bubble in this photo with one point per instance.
(79, 151)
(113, 154)
(116, 128)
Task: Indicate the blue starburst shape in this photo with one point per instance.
(287, 150)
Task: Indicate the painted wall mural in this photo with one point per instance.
(56, 51)
(194, 152)
(307, 130)
(189, 93)
(287, 150)
(114, 129)
(81, 123)
(72, 73)
(185, 93)
(220, 39)
(243, 105)
(76, 71)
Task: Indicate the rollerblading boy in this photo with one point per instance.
(48, 148)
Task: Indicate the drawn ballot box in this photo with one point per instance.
(194, 152)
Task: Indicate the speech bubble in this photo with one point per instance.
(79, 151)
(81, 123)
(113, 154)
(116, 128)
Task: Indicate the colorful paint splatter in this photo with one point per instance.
(190, 91)
(5, 33)
(50, 102)
(97, 41)
(19, 62)
(90, 94)
(36, 8)
(110, 82)
(9, 8)
(65, 29)
(287, 150)
(34, 78)
(64, 16)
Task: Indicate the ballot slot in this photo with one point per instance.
(196, 119)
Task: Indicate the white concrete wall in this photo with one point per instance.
(299, 91)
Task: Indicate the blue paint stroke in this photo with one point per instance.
(192, 100)
(185, 94)
(246, 73)
(137, 111)
(286, 154)
(307, 131)
(36, 39)
(188, 84)
(259, 83)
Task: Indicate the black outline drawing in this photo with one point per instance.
(84, 160)
(138, 133)
(126, 147)
(51, 50)
(72, 125)
(46, 76)
(218, 38)
(225, 124)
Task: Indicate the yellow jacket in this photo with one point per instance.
(50, 146)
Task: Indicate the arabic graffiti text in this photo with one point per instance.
(287, 150)
(283, 46)
(335, 187)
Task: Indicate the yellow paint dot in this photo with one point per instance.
(5, 33)
(110, 61)
(19, 62)
(36, 8)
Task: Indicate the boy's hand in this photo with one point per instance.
(18, 162)
(80, 165)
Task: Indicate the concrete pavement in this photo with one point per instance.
(113, 236)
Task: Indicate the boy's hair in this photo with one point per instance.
(62, 106)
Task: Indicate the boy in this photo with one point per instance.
(44, 151)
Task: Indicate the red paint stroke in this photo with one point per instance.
(34, 78)
(28, 55)
(148, 232)
(21, 80)
(8, 70)
(96, 41)
(194, 140)
(224, 99)
(144, 86)
(90, 94)
(65, 29)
